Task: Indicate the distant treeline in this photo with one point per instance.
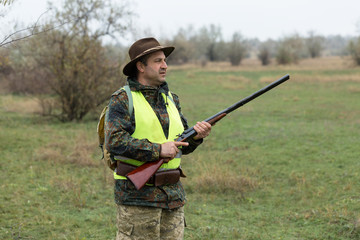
(67, 65)
(207, 44)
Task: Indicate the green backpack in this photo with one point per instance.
(101, 130)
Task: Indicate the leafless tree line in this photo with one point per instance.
(66, 64)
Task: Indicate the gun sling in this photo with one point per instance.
(161, 177)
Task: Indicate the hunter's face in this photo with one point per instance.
(154, 72)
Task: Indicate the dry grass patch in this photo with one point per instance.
(214, 179)
(322, 63)
(322, 78)
(71, 189)
(48, 154)
(63, 151)
(52, 152)
(233, 82)
(82, 152)
(354, 89)
(208, 175)
(20, 105)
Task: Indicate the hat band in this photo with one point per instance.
(149, 50)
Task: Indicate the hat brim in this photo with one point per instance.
(130, 68)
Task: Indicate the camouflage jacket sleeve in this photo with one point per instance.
(119, 127)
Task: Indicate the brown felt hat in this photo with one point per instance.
(141, 48)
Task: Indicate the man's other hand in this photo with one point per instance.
(170, 149)
(203, 130)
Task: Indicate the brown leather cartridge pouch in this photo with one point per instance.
(166, 177)
(123, 168)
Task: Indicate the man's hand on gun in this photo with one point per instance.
(170, 149)
(203, 130)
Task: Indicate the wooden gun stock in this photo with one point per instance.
(141, 175)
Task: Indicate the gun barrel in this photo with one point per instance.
(254, 95)
(190, 131)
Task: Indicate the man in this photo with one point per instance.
(147, 134)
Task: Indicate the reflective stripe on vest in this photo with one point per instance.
(147, 125)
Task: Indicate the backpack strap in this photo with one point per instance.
(171, 98)
(128, 93)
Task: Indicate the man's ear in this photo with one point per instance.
(140, 66)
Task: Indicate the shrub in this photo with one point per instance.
(237, 49)
(354, 50)
(289, 50)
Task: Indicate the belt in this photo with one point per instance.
(161, 177)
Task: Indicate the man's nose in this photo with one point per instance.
(163, 65)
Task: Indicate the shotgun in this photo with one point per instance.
(141, 175)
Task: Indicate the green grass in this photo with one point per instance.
(285, 166)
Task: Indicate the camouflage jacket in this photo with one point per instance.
(118, 141)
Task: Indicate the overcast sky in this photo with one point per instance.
(261, 19)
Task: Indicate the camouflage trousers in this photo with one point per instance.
(149, 223)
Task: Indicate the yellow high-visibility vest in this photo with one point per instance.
(147, 125)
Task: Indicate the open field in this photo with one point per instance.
(285, 166)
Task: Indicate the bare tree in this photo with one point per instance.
(32, 30)
(354, 47)
(289, 50)
(354, 50)
(74, 58)
(208, 41)
(237, 49)
(264, 54)
(314, 44)
(26, 32)
(185, 50)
